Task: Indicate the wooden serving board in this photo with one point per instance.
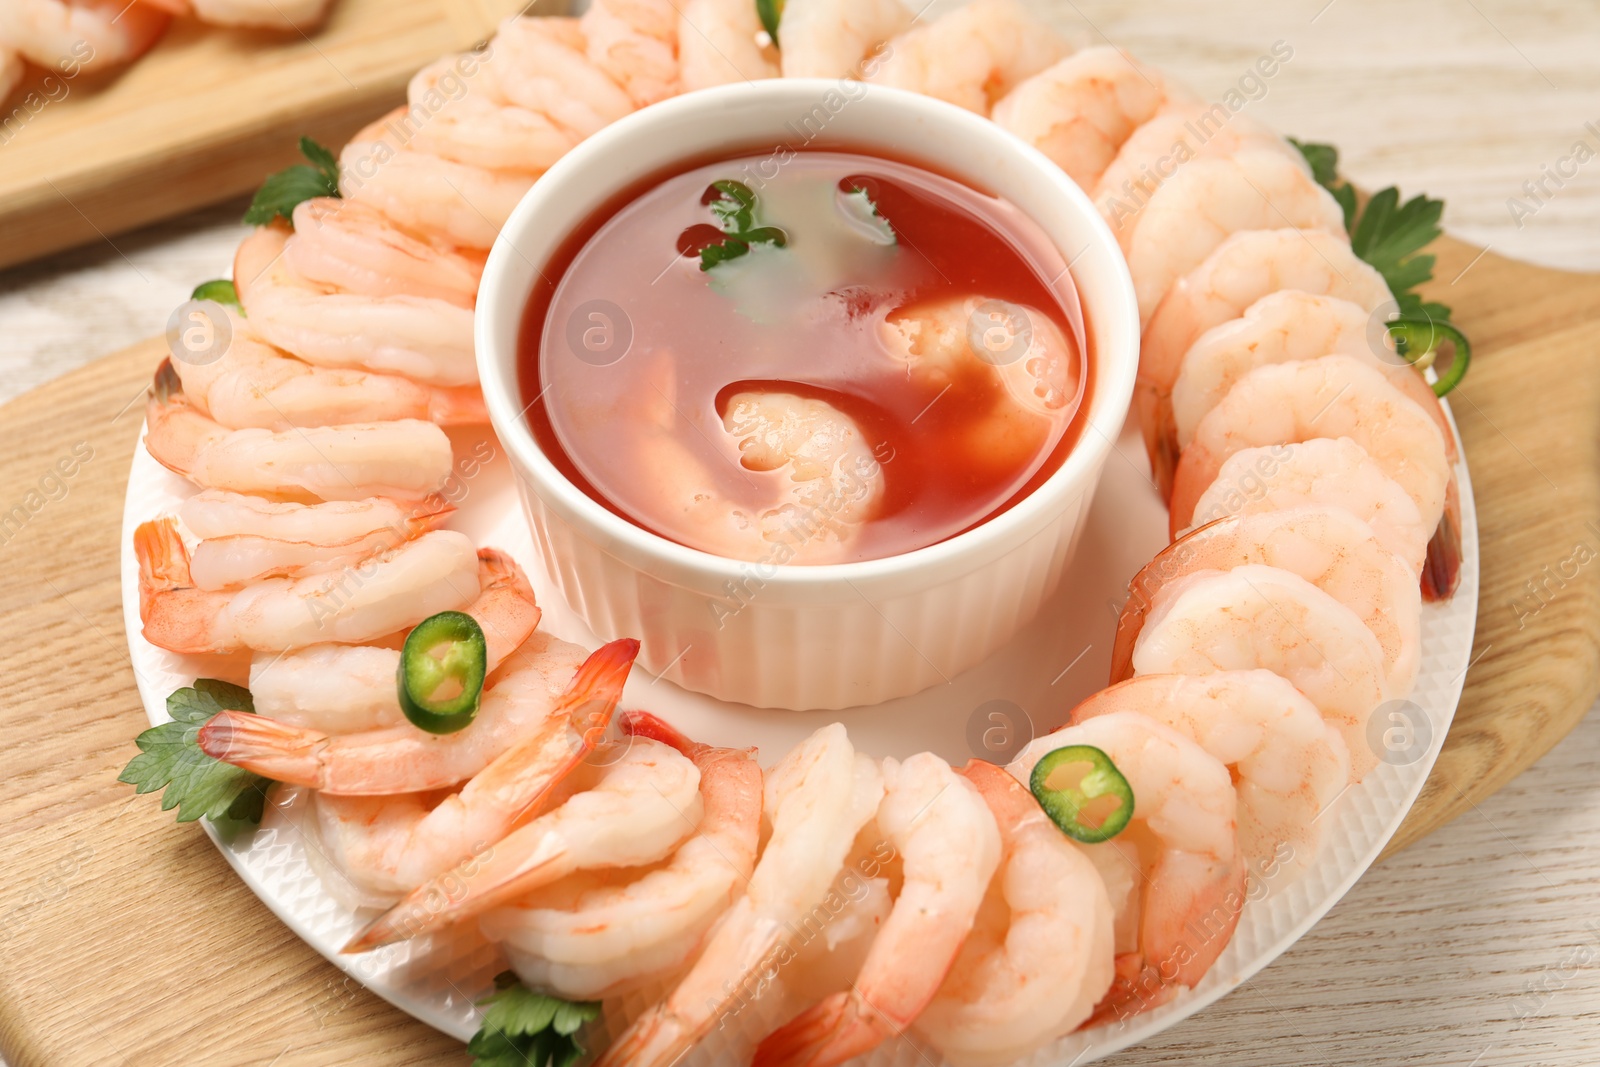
(125, 938)
(209, 111)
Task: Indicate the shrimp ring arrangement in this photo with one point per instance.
(446, 789)
(72, 37)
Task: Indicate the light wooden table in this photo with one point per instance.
(1477, 947)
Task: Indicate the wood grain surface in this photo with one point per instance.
(207, 113)
(125, 938)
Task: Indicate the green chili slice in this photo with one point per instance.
(1089, 805)
(441, 672)
(1419, 340)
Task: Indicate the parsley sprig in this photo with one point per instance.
(771, 13)
(734, 208)
(522, 1028)
(196, 784)
(1389, 234)
(280, 193)
(220, 290)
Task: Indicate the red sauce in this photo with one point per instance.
(632, 354)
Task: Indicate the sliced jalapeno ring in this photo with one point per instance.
(1083, 793)
(1419, 340)
(441, 673)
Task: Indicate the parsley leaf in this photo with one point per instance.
(522, 1028)
(281, 192)
(771, 13)
(734, 207)
(1388, 234)
(196, 784)
(221, 290)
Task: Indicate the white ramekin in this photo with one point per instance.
(808, 637)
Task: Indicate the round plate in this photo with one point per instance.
(1025, 689)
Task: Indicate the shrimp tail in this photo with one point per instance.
(175, 614)
(1441, 571)
(829, 1032)
(657, 1038)
(524, 777)
(459, 405)
(506, 608)
(273, 749)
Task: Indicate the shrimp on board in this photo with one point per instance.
(1289, 763)
(1176, 874)
(1081, 110)
(527, 705)
(816, 798)
(253, 385)
(381, 595)
(1039, 957)
(379, 848)
(948, 846)
(1172, 231)
(1037, 385)
(407, 458)
(1332, 472)
(635, 42)
(972, 56)
(90, 35)
(721, 42)
(1335, 396)
(837, 38)
(542, 64)
(1261, 617)
(1242, 270)
(1327, 546)
(631, 812)
(256, 14)
(478, 127)
(347, 689)
(423, 338)
(600, 933)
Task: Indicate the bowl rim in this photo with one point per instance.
(1111, 393)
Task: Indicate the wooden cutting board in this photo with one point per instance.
(209, 111)
(125, 938)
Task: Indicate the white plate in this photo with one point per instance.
(1059, 658)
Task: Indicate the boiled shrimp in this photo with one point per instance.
(827, 482)
(254, 385)
(381, 595)
(460, 203)
(354, 248)
(1335, 396)
(1181, 845)
(816, 798)
(1182, 222)
(1038, 386)
(346, 689)
(1184, 131)
(635, 42)
(1242, 270)
(721, 42)
(12, 71)
(1327, 546)
(639, 806)
(1262, 617)
(836, 38)
(538, 702)
(542, 64)
(1288, 762)
(407, 458)
(422, 338)
(473, 123)
(948, 846)
(600, 933)
(1039, 957)
(88, 34)
(972, 56)
(1335, 473)
(1080, 111)
(380, 848)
